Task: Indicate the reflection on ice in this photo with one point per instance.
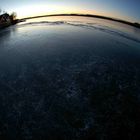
(110, 27)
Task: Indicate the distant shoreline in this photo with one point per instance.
(137, 25)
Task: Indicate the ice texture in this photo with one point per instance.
(69, 80)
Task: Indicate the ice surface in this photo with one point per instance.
(87, 26)
(69, 79)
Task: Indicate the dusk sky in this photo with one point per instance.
(122, 9)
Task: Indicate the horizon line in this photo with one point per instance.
(135, 24)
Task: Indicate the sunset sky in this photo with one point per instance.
(122, 9)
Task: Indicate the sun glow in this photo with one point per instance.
(38, 10)
(47, 9)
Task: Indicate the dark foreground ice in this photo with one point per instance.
(70, 79)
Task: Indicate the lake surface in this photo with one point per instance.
(70, 78)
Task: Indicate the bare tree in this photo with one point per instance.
(2, 11)
(13, 16)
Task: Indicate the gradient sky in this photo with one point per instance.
(122, 9)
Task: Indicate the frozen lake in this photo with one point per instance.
(70, 78)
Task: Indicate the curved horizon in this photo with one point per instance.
(126, 10)
(135, 24)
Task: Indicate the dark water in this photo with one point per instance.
(70, 78)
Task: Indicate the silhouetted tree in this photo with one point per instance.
(13, 17)
(2, 11)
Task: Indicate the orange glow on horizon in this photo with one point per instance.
(39, 10)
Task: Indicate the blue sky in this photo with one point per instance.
(123, 9)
